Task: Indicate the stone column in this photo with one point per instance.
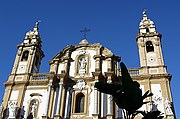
(67, 103)
(103, 105)
(95, 113)
(59, 100)
(66, 66)
(55, 100)
(109, 64)
(48, 98)
(109, 107)
(97, 75)
(56, 67)
(95, 101)
(109, 115)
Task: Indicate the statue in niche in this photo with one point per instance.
(33, 108)
(12, 108)
(168, 107)
(82, 65)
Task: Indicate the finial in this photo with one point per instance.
(85, 30)
(37, 23)
(144, 14)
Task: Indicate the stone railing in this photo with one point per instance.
(132, 71)
(43, 76)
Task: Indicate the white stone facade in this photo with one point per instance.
(68, 92)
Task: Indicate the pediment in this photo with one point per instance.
(83, 45)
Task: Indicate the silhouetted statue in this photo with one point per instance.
(126, 92)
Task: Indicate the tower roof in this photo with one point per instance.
(33, 36)
(146, 25)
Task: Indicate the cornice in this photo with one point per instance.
(148, 35)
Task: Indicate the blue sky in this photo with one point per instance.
(113, 23)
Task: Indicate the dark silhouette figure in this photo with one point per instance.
(127, 93)
(30, 116)
(152, 115)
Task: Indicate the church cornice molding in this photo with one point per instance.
(73, 48)
(29, 45)
(145, 35)
(155, 76)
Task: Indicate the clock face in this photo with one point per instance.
(151, 59)
(21, 69)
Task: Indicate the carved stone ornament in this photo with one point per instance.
(153, 105)
(83, 51)
(12, 108)
(80, 84)
(156, 42)
(168, 107)
(141, 43)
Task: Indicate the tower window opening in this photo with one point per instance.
(147, 30)
(25, 56)
(149, 46)
(79, 105)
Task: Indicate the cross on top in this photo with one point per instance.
(85, 30)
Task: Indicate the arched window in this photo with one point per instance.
(147, 30)
(149, 46)
(25, 56)
(33, 108)
(79, 106)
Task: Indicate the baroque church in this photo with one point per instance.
(68, 92)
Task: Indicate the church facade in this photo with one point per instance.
(68, 92)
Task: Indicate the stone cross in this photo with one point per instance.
(85, 30)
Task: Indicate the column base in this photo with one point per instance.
(109, 116)
(57, 117)
(45, 117)
(95, 116)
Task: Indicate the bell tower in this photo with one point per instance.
(150, 49)
(29, 54)
(27, 62)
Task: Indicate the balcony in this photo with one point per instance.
(132, 71)
(43, 76)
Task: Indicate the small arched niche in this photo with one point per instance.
(33, 108)
(82, 64)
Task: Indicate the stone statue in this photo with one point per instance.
(33, 108)
(12, 106)
(82, 66)
(168, 107)
(152, 106)
(82, 63)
